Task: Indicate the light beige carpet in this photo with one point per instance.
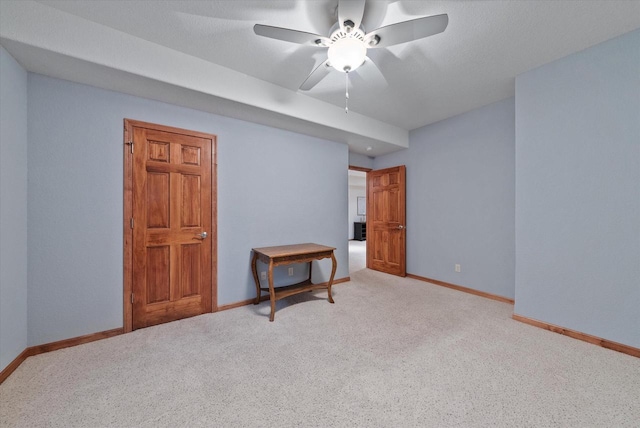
(390, 352)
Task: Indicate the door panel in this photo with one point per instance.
(158, 196)
(190, 155)
(191, 261)
(158, 274)
(386, 232)
(158, 151)
(171, 209)
(191, 199)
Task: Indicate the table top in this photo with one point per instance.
(292, 250)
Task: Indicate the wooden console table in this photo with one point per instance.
(286, 255)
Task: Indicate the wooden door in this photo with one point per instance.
(386, 231)
(172, 223)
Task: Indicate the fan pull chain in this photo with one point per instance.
(346, 93)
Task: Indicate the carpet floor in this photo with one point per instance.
(391, 352)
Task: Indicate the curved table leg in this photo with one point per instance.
(272, 293)
(333, 273)
(254, 269)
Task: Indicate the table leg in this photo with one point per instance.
(272, 292)
(254, 269)
(333, 273)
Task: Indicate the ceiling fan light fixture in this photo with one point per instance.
(348, 41)
(347, 54)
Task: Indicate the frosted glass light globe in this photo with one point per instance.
(347, 54)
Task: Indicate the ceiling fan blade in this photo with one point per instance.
(350, 10)
(408, 30)
(370, 72)
(288, 35)
(316, 76)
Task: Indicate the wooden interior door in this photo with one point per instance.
(172, 223)
(386, 230)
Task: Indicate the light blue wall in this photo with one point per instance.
(578, 191)
(13, 208)
(460, 199)
(274, 187)
(356, 159)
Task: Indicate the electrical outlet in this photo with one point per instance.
(290, 271)
(263, 275)
(457, 268)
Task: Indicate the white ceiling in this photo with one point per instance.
(204, 54)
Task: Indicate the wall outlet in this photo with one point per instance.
(457, 268)
(290, 271)
(263, 275)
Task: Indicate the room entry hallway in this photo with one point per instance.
(357, 256)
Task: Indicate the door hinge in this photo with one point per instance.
(131, 298)
(131, 222)
(130, 144)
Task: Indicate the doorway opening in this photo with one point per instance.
(357, 218)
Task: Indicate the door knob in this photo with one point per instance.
(400, 226)
(203, 235)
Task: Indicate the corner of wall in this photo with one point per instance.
(13, 209)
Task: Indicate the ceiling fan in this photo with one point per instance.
(348, 41)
